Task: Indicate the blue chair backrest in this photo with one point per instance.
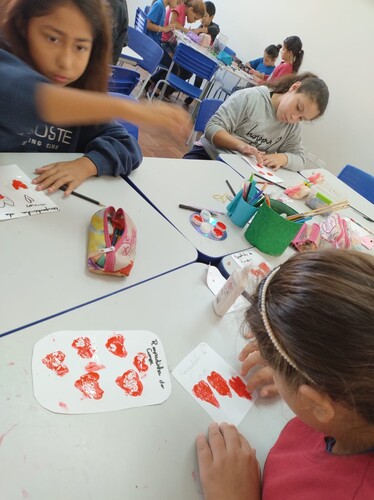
(123, 80)
(140, 23)
(206, 110)
(359, 180)
(195, 61)
(130, 127)
(147, 48)
(229, 51)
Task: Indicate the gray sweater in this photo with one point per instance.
(249, 115)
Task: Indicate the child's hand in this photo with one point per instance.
(172, 118)
(262, 379)
(227, 465)
(72, 173)
(251, 150)
(275, 160)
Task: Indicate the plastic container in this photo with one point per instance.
(239, 210)
(321, 195)
(231, 290)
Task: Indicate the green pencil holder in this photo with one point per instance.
(269, 232)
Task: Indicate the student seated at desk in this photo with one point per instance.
(311, 321)
(262, 67)
(264, 121)
(156, 19)
(52, 44)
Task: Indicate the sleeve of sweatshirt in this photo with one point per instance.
(18, 84)
(232, 113)
(111, 148)
(293, 148)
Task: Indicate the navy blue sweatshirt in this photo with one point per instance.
(108, 146)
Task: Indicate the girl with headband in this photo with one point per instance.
(313, 322)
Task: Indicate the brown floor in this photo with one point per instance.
(160, 144)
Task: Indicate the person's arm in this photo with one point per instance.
(157, 28)
(222, 139)
(228, 467)
(67, 106)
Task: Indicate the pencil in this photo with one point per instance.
(269, 182)
(199, 209)
(83, 197)
(231, 188)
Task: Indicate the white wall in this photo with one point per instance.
(338, 38)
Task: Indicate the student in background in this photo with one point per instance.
(188, 10)
(264, 121)
(209, 27)
(156, 19)
(312, 321)
(120, 22)
(52, 44)
(263, 67)
(292, 55)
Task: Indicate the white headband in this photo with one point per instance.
(268, 328)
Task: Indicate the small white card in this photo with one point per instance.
(215, 282)
(18, 196)
(98, 371)
(265, 172)
(259, 267)
(214, 385)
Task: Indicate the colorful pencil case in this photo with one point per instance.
(111, 243)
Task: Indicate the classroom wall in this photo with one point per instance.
(338, 38)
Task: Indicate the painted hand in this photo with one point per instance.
(262, 380)
(251, 151)
(227, 465)
(72, 173)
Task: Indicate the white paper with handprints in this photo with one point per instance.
(18, 196)
(214, 385)
(99, 371)
(265, 172)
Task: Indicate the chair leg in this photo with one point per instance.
(192, 138)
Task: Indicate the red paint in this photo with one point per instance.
(2, 436)
(219, 384)
(83, 347)
(217, 233)
(54, 361)
(237, 385)
(259, 165)
(270, 174)
(93, 367)
(116, 345)
(202, 391)
(18, 184)
(139, 362)
(1, 197)
(89, 386)
(264, 267)
(63, 405)
(130, 383)
(221, 226)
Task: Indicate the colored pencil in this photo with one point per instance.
(83, 197)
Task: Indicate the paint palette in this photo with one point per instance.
(212, 229)
(214, 385)
(98, 371)
(18, 196)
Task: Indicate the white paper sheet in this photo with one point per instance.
(18, 197)
(268, 173)
(214, 385)
(99, 371)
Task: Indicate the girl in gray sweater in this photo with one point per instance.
(265, 122)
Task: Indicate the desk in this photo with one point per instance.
(168, 182)
(142, 453)
(128, 53)
(43, 258)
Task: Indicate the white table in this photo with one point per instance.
(169, 182)
(43, 258)
(142, 453)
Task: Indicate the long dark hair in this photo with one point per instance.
(19, 12)
(312, 86)
(320, 306)
(294, 45)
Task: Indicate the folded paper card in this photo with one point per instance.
(265, 172)
(98, 371)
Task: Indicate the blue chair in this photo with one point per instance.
(130, 127)
(359, 180)
(123, 80)
(140, 23)
(148, 49)
(206, 110)
(193, 61)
